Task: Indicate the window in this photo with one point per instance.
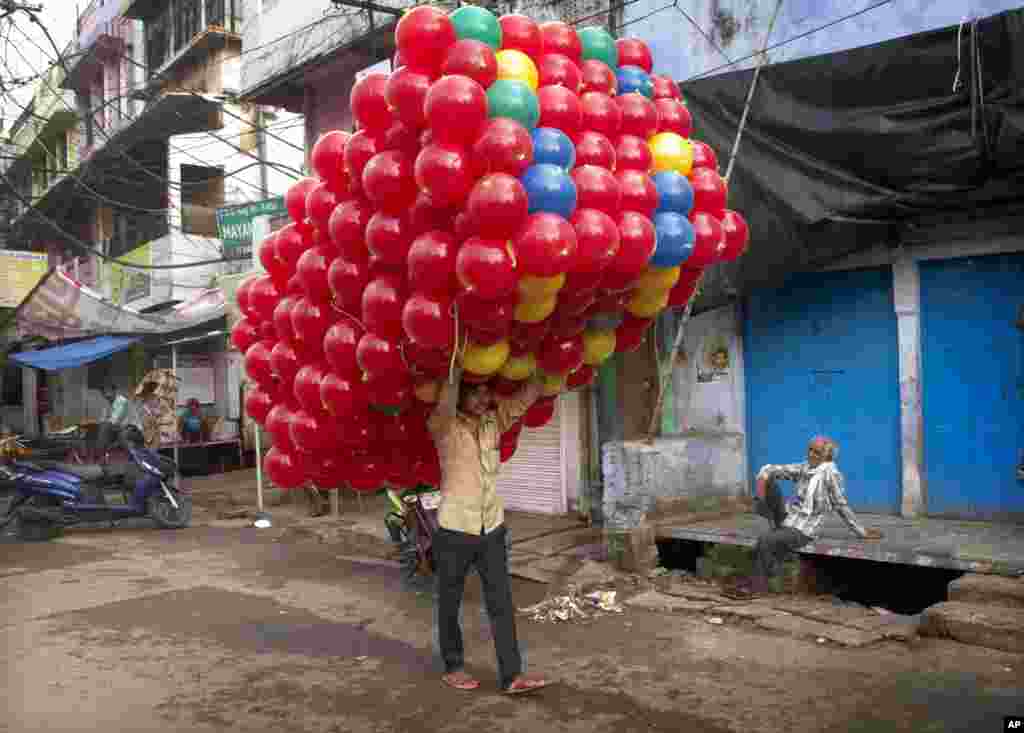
(158, 41)
(202, 191)
(186, 23)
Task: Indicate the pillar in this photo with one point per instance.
(907, 301)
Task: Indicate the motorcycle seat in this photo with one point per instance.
(84, 471)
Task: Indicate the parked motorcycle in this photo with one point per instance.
(50, 495)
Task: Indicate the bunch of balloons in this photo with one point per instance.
(522, 198)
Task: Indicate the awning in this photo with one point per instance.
(74, 355)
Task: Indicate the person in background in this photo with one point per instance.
(819, 490)
(472, 528)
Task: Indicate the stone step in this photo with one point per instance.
(986, 625)
(988, 589)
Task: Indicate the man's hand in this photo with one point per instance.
(761, 487)
(873, 534)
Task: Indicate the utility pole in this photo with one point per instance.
(261, 151)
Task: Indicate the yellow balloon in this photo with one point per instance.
(518, 368)
(428, 392)
(598, 345)
(553, 384)
(649, 304)
(671, 152)
(540, 288)
(657, 278)
(485, 360)
(535, 311)
(517, 66)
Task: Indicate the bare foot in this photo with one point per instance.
(526, 683)
(460, 681)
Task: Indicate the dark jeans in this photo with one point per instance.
(455, 553)
(773, 547)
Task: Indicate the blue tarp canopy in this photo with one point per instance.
(74, 355)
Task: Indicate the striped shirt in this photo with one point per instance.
(819, 490)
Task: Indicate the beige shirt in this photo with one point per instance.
(468, 449)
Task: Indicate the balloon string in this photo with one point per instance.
(334, 306)
(455, 348)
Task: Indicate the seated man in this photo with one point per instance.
(819, 490)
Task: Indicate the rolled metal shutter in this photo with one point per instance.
(532, 480)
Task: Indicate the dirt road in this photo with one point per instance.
(233, 628)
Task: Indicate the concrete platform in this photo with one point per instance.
(977, 547)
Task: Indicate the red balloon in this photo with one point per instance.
(283, 319)
(471, 58)
(680, 293)
(709, 191)
(285, 363)
(258, 403)
(263, 297)
(406, 92)
(456, 109)
(559, 108)
(632, 153)
(378, 355)
(309, 433)
(597, 188)
(242, 297)
(426, 216)
(601, 114)
(383, 299)
(388, 237)
(320, 205)
(704, 156)
(347, 280)
(522, 34)
(289, 245)
(597, 241)
(431, 263)
(388, 181)
(268, 332)
(581, 377)
(639, 115)
(312, 273)
(244, 334)
(389, 390)
(507, 388)
(737, 234)
(488, 336)
(498, 205)
(294, 287)
(340, 344)
(322, 469)
(483, 314)
(634, 52)
(328, 159)
(559, 69)
(593, 148)
(630, 333)
(565, 325)
(710, 239)
(369, 105)
(295, 198)
(342, 396)
(443, 173)
(284, 469)
(639, 193)
(610, 303)
(673, 117)
(428, 321)
(487, 268)
(576, 302)
(528, 336)
(257, 363)
(358, 150)
(402, 138)
(465, 227)
(306, 386)
(310, 322)
(636, 247)
(504, 146)
(507, 449)
(665, 88)
(559, 37)
(584, 282)
(434, 363)
(423, 35)
(540, 413)
(546, 245)
(367, 477)
(347, 228)
(598, 77)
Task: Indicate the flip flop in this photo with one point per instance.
(468, 684)
(539, 685)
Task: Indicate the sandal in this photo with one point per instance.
(460, 681)
(523, 684)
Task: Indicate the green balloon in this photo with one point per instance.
(598, 44)
(515, 100)
(479, 24)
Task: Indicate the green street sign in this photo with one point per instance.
(234, 224)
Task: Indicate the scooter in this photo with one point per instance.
(50, 495)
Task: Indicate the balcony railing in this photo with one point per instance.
(182, 22)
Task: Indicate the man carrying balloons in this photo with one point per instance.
(472, 528)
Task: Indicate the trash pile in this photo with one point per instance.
(574, 607)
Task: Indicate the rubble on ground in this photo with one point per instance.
(574, 606)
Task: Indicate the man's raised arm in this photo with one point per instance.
(512, 408)
(447, 402)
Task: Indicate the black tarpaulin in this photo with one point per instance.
(862, 148)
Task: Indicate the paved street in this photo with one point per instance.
(232, 628)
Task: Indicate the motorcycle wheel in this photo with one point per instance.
(35, 530)
(166, 516)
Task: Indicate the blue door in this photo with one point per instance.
(972, 361)
(821, 357)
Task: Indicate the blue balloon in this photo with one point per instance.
(549, 188)
(634, 79)
(554, 147)
(674, 192)
(674, 237)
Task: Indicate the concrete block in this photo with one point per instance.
(993, 627)
(652, 600)
(634, 550)
(988, 589)
(748, 610)
(806, 628)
